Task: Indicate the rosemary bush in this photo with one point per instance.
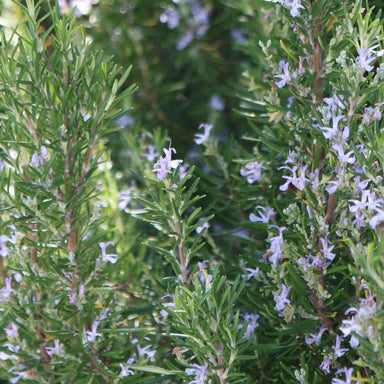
(252, 258)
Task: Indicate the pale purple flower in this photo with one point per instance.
(264, 215)
(342, 156)
(348, 376)
(326, 249)
(251, 273)
(368, 112)
(172, 18)
(301, 68)
(324, 366)
(298, 182)
(83, 7)
(112, 258)
(166, 164)
(364, 59)
(146, 351)
(200, 228)
(12, 331)
(18, 371)
(35, 160)
(339, 351)
(6, 356)
(284, 78)
(199, 372)
(359, 322)
(378, 218)
(368, 200)
(334, 184)
(315, 337)
(216, 102)
(125, 198)
(72, 297)
(172, 304)
(295, 6)
(291, 157)
(161, 168)
(314, 178)
(281, 299)
(251, 325)
(329, 132)
(125, 371)
(334, 103)
(252, 171)
(8, 290)
(239, 36)
(56, 350)
(310, 262)
(104, 315)
(185, 40)
(151, 153)
(276, 243)
(203, 276)
(203, 137)
(12, 348)
(91, 335)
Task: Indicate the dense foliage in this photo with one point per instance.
(222, 222)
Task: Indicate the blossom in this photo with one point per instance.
(172, 18)
(281, 299)
(252, 171)
(36, 161)
(152, 153)
(264, 215)
(54, 350)
(12, 331)
(324, 366)
(125, 371)
(276, 243)
(91, 335)
(326, 249)
(339, 351)
(146, 351)
(216, 102)
(329, 132)
(203, 276)
(348, 376)
(334, 184)
(18, 372)
(359, 322)
(251, 326)
(200, 228)
(201, 138)
(364, 59)
(284, 78)
(295, 6)
(165, 164)
(315, 337)
(6, 356)
(251, 273)
(199, 372)
(163, 312)
(301, 68)
(344, 157)
(298, 182)
(125, 198)
(112, 258)
(334, 103)
(7, 291)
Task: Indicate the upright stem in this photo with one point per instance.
(182, 261)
